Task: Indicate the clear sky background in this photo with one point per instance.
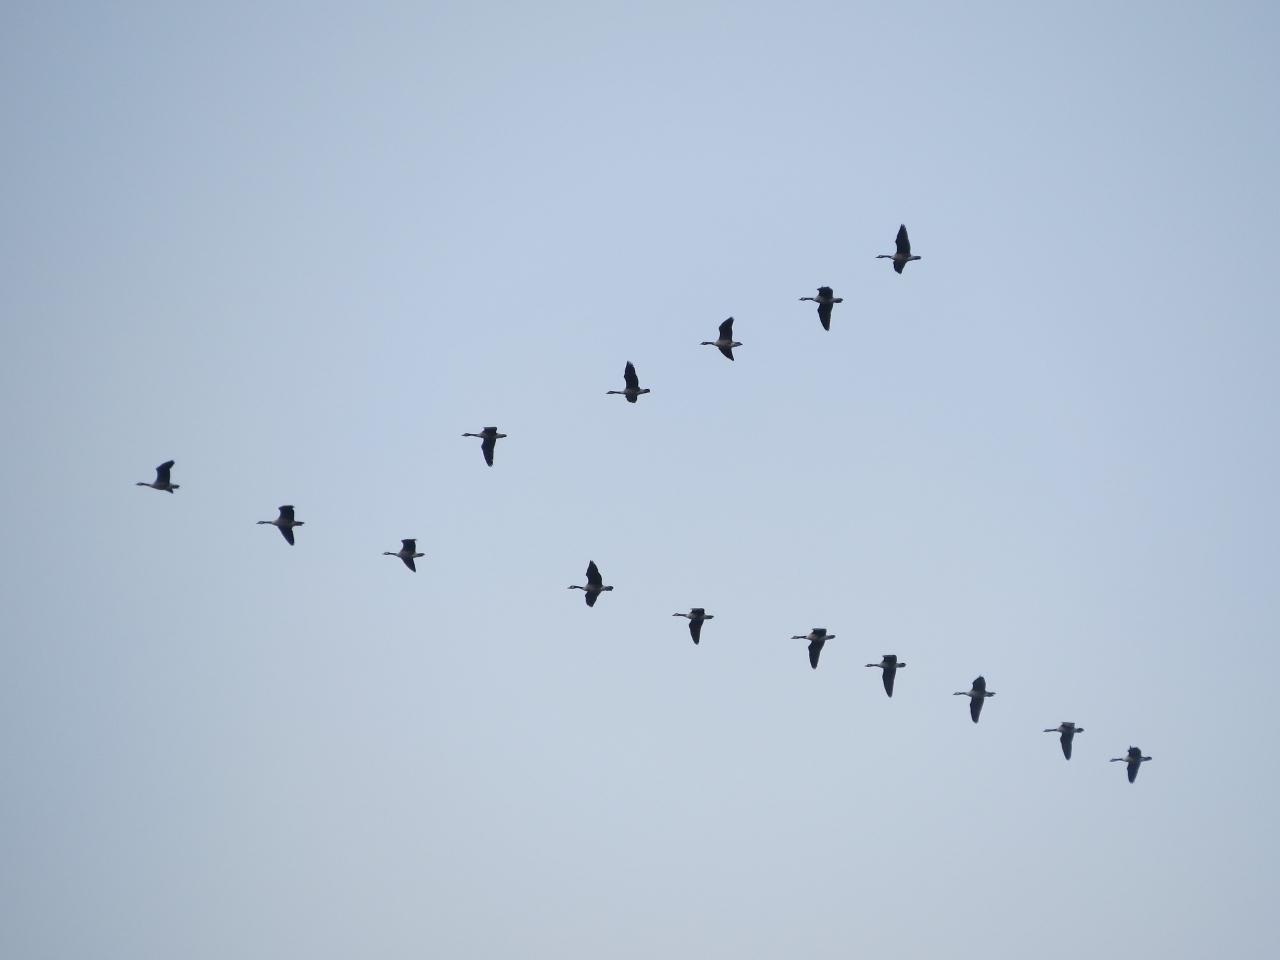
(301, 247)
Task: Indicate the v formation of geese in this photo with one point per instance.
(817, 638)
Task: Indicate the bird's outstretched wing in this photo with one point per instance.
(1133, 766)
(1066, 738)
(695, 630)
(590, 596)
(286, 513)
(898, 265)
(975, 707)
(903, 242)
(593, 575)
(629, 375)
(815, 651)
(824, 292)
(410, 546)
(727, 351)
(162, 472)
(890, 672)
(726, 329)
(824, 315)
(287, 533)
(486, 447)
(980, 684)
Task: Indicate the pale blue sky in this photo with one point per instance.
(301, 247)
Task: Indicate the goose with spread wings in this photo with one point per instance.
(817, 638)
(1067, 732)
(408, 552)
(902, 256)
(633, 384)
(977, 694)
(890, 665)
(725, 343)
(285, 523)
(1132, 761)
(595, 584)
(489, 438)
(824, 300)
(695, 617)
(162, 478)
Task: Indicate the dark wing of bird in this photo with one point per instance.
(590, 596)
(904, 242)
(1066, 738)
(1132, 766)
(726, 329)
(980, 684)
(727, 351)
(629, 375)
(824, 292)
(695, 630)
(890, 672)
(162, 472)
(286, 513)
(815, 651)
(486, 447)
(410, 546)
(898, 265)
(593, 575)
(408, 562)
(975, 707)
(824, 315)
(287, 533)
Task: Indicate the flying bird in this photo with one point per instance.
(817, 637)
(725, 343)
(633, 384)
(824, 300)
(903, 255)
(696, 616)
(489, 438)
(285, 523)
(976, 696)
(407, 553)
(1133, 760)
(162, 478)
(1068, 731)
(595, 583)
(890, 666)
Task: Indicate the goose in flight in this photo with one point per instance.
(595, 583)
(978, 694)
(1133, 760)
(696, 616)
(489, 438)
(633, 384)
(890, 667)
(725, 343)
(817, 637)
(408, 552)
(824, 300)
(903, 255)
(285, 523)
(1068, 731)
(162, 478)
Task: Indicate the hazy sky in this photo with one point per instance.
(300, 248)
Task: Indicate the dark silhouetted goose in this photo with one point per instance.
(696, 616)
(489, 438)
(824, 300)
(162, 478)
(890, 667)
(817, 637)
(1133, 760)
(595, 583)
(1068, 731)
(976, 696)
(407, 553)
(903, 256)
(726, 343)
(285, 522)
(633, 384)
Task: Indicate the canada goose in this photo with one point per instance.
(890, 667)
(633, 384)
(162, 478)
(1068, 731)
(696, 616)
(726, 343)
(816, 637)
(285, 522)
(976, 696)
(824, 300)
(595, 583)
(407, 553)
(489, 438)
(903, 255)
(1133, 760)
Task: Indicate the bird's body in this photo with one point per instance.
(890, 665)
(162, 478)
(695, 617)
(1132, 761)
(824, 300)
(977, 694)
(817, 638)
(725, 343)
(285, 523)
(633, 384)
(489, 438)
(902, 256)
(1068, 731)
(408, 552)
(595, 585)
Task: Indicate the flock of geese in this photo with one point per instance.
(889, 665)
